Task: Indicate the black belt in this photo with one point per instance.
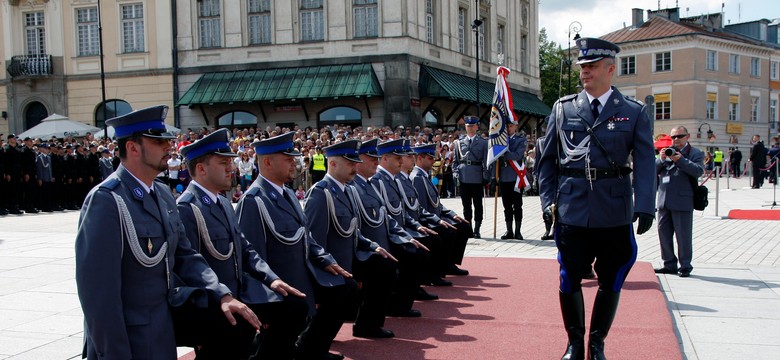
(469, 162)
(594, 174)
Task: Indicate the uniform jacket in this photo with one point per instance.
(125, 304)
(13, 162)
(515, 151)
(295, 264)
(43, 167)
(106, 168)
(28, 161)
(677, 194)
(393, 200)
(388, 230)
(429, 195)
(467, 151)
(623, 129)
(420, 214)
(245, 273)
(323, 230)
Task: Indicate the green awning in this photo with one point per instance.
(438, 83)
(312, 82)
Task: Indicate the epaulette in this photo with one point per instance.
(321, 184)
(111, 183)
(252, 191)
(186, 197)
(568, 98)
(633, 99)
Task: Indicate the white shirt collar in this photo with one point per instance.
(421, 170)
(380, 168)
(602, 99)
(146, 188)
(361, 176)
(338, 183)
(403, 174)
(277, 187)
(209, 193)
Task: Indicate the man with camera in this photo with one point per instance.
(678, 169)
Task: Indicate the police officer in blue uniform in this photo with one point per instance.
(213, 231)
(331, 212)
(377, 225)
(470, 167)
(428, 196)
(272, 220)
(44, 177)
(511, 194)
(585, 185)
(131, 247)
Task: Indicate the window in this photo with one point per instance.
(712, 106)
(663, 106)
(237, 118)
(365, 17)
(481, 38)
(312, 26)
(754, 109)
(524, 53)
(35, 31)
(432, 117)
(773, 113)
(343, 115)
(734, 63)
(431, 36)
(663, 61)
(628, 65)
(773, 70)
(755, 67)
(259, 22)
(113, 109)
(500, 40)
(733, 107)
(133, 28)
(712, 60)
(461, 30)
(209, 24)
(87, 31)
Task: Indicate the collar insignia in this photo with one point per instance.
(138, 192)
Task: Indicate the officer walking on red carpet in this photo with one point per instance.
(585, 186)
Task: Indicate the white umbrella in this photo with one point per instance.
(59, 126)
(170, 128)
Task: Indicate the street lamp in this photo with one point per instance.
(575, 26)
(475, 27)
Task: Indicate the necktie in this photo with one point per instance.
(289, 199)
(153, 195)
(595, 108)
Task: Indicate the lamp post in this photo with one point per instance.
(575, 26)
(475, 27)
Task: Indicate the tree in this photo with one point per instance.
(554, 70)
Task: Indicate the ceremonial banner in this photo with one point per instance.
(500, 115)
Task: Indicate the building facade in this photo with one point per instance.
(245, 62)
(717, 81)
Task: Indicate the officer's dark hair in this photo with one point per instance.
(192, 164)
(122, 143)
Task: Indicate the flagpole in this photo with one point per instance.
(495, 203)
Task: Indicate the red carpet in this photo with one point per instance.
(754, 214)
(508, 309)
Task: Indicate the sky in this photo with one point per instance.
(600, 17)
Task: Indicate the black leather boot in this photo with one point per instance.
(508, 234)
(573, 311)
(477, 224)
(604, 309)
(518, 221)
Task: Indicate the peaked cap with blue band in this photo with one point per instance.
(216, 143)
(425, 149)
(593, 49)
(471, 120)
(369, 148)
(408, 147)
(346, 149)
(278, 144)
(149, 122)
(392, 146)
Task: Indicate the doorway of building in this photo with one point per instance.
(34, 113)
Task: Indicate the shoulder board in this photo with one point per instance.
(568, 98)
(321, 184)
(634, 100)
(111, 183)
(252, 191)
(186, 197)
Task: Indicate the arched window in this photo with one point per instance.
(34, 113)
(343, 115)
(432, 117)
(237, 119)
(113, 108)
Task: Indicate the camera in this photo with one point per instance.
(669, 152)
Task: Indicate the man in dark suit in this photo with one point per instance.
(758, 159)
(585, 187)
(333, 220)
(678, 172)
(377, 225)
(271, 218)
(212, 228)
(736, 162)
(13, 176)
(29, 172)
(429, 201)
(469, 166)
(510, 181)
(131, 248)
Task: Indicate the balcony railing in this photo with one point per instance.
(30, 65)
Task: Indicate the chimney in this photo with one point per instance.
(637, 18)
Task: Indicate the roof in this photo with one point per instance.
(312, 82)
(659, 28)
(439, 83)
